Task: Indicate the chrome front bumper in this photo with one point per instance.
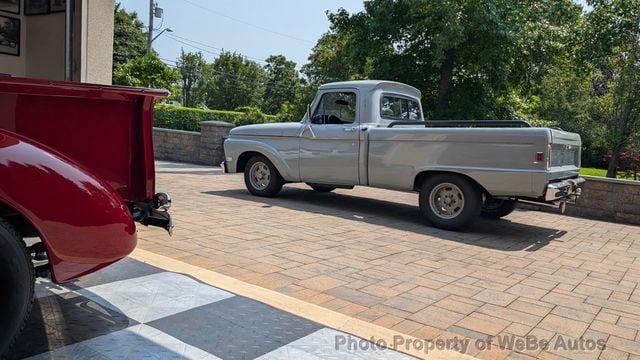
(223, 165)
(568, 190)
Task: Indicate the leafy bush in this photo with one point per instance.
(188, 119)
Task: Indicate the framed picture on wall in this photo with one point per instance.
(9, 36)
(58, 5)
(36, 7)
(10, 6)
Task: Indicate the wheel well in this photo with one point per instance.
(421, 177)
(243, 159)
(19, 222)
(25, 228)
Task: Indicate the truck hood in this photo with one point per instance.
(272, 129)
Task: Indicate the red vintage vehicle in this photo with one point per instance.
(76, 171)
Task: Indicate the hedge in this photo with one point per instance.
(188, 119)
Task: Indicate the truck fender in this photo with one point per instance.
(420, 173)
(82, 221)
(235, 148)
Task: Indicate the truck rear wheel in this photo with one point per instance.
(261, 177)
(450, 201)
(16, 283)
(497, 208)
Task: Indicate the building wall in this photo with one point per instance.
(42, 44)
(98, 36)
(45, 46)
(16, 65)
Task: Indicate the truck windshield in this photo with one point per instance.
(399, 108)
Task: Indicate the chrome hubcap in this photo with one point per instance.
(446, 200)
(259, 175)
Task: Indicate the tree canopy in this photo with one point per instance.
(550, 62)
(129, 38)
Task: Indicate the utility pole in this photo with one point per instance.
(150, 33)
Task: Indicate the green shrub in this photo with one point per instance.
(188, 119)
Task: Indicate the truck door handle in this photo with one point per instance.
(350, 129)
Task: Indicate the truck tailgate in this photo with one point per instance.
(564, 155)
(107, 129)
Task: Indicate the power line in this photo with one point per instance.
(235, 77)
(220, 50)
(247, 23)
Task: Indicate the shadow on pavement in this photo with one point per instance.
(495, 234)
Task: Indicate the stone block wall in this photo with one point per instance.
(176, 145)
(605, 199)
(212, 138)
(203, 147)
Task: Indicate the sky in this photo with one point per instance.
(253, 28)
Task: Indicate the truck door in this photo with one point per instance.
(329, 143)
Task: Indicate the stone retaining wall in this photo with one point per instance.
(605, 199)
(203, 147)
(176, 145)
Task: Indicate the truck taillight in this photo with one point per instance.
(539, 156)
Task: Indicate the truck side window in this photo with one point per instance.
(398, 108)
(335, 108)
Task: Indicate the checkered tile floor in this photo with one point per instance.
(133, 310)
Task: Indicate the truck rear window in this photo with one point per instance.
(399, 108)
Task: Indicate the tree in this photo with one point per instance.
(471, 59)
(283, 84)
(191, 67)
(612, 43)
(129, 39)
(236, 82)
(146, 71)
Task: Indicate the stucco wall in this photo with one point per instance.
(605, 199)
(42, 44)
(98, 45)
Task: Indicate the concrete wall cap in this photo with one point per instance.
(217, 123)
(176, 131)
(612, 181)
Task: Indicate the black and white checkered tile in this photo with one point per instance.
(135, 311)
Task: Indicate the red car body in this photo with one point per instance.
(76, 164)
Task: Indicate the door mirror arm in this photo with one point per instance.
(307, 124)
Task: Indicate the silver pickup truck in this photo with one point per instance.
(373, 133)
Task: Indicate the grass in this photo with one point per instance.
(602, 173)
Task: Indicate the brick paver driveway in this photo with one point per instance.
(367, 253)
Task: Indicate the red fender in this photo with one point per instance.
(83, 222)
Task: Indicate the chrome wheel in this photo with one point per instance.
(259, 175)
(446, 200)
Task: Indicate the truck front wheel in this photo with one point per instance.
(450, 201)
(261, 177)
(497, 208)
(16, 286)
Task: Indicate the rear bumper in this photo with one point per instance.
(154, 212)
(569, 189)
